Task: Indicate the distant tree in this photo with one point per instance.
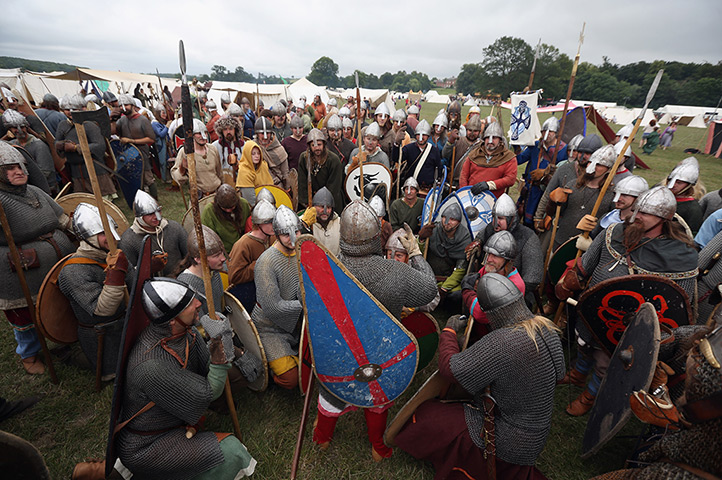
(324, 72)
(508, 61)
(470, 79)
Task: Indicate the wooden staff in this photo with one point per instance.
(548, 256)
(361, 159)
(188, 147)
(62, 191)
(15, 257)
(302, 427)
(451, 172)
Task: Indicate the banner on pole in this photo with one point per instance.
(524, 128)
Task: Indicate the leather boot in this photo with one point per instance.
(582, 404)
(91, 470)
(655, 410)
(33, 365)
(573, 377)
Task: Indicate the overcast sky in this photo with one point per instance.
(285, 37)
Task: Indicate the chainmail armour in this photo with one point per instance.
(31, 213)
(580, 202)
(709, 282)
(181, 397)
(82, 284)
(565, 173)
(529, 259)
(196, 284)
(171, 240)
(521, 384)
(278, 307)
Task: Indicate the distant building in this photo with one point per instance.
(446, 83)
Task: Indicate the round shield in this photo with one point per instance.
(376, 173)
(279, 194)
(55, 316)
(448, 202)
(424, 328)
(477, 208)
(130, 169)
(247, 333)
(558, 261)
(431, 204)
(606, 306)
(631, 368)
(70, 201)
(187, 221)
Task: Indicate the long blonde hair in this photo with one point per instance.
(536, 325)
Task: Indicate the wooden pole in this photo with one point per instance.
(533, 66)
(451, 172)
(302, 427)
(15, 258)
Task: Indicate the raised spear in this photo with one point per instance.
(361, 158)
(533, 65)
(188, 147)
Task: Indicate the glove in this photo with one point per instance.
(583, 243)
(218, 354)
(426, 231)
(469, 281)
(400, 135)
(537, 175)
(540, 224)
(472, 249)
(309, 216)
(158, 262)
(457, 323)
(69, 146)
(220, 329)
(568, 285)
(409, 242)
(587, 223)
(117, 268)
(479, 187)
(249, 365)
(560, 195)
(453, 136)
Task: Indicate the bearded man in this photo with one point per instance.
(420, 159)
(338, 144)
(136, 129)
(491, 165)
(460, 145)
(229, 143)
(39, 150)
(326, 171)
(322, 222)
(273, 153)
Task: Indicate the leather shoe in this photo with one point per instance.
(654, 410)
(573, 377)
(33, 365)
(581, 405)
(91, 470)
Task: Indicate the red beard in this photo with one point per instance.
(633, 234)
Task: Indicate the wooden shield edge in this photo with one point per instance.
(40, 307)
(73, 199)
(256, 386)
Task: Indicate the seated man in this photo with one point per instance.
(407, 209)
(171, 378)
(322, 222)
(278, 308)
(227, 215)
(446, 249)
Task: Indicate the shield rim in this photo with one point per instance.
(256, 386)
(66, 314)
(73, 199)
(482, 225)
(187, 221)
(310, 238)
(303, 344)
(347, 180)
(282, 198)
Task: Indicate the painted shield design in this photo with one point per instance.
(375, 173)
(631, 368)
(130, 169)
(558, 261)
(424, 328)
(607, 306)
(360, 352)
(477, 208)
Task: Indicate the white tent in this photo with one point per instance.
(600, 106)
(444, 99)
(374, 96)
(303, 86)
(269, 94)
(686, 110)
(698, 121)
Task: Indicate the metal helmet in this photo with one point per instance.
(502, 301)
(263, 212)
(13, 118)
(378, 205)
(226, 196)
(551, 124)
(573, 144)
(659, 201)
(278, 109)
(202, 94)
(382, 109)
(165, 298)
(625, 131)
(296, 122)
(323, 198)
(286, 222)
(92, 98)
(347, 123)
(344, 112)
(423, 128)
(109, 97)
(410, 182)
(77, 103)
(211, 105)
(225, 98)
(455, 107)
(618, 149)
(315, 135)
(494, 130)
(137, 103)
(502, 244)
(687, 171)
(234, 109)
(413, 110)
(505, 207)
(265, 194)
(87, 222)
(263, 127)
(49, 97)
(125, 99)
(631, 185)
(474, 123)
(373, 130)
(334, 123)
(144, 204)
(394, 243)
(453, 212)
(213, 242)
(399, 116)
(332, 102)
(590, 144)
(441, 120)
(199, 127)
(359, 224)
(605, 156)
(10, 155)
(475, 109)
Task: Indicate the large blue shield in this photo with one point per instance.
(130, 169)
(361, 353)
(477, 208)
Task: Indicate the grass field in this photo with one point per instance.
(70, 424)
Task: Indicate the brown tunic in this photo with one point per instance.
(243, 258)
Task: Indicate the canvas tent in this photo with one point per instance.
(714, 139)
(375, 96)
(269, 94)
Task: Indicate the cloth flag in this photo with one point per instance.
(524, 128)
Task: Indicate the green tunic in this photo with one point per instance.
(225, 229)
(400, 212)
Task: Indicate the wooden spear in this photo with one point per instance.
(188, 147)
(533, 66)
(361, 159)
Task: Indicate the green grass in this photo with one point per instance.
(70, 424)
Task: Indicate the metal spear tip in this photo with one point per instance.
(182, 55)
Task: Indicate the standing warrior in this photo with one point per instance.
(420, 159)
(38, 149)
(326, 170)
(490, 165)
(136, 129)
(338, 144)
(209, 171)
(229, 143)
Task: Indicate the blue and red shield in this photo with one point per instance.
(361, 353)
